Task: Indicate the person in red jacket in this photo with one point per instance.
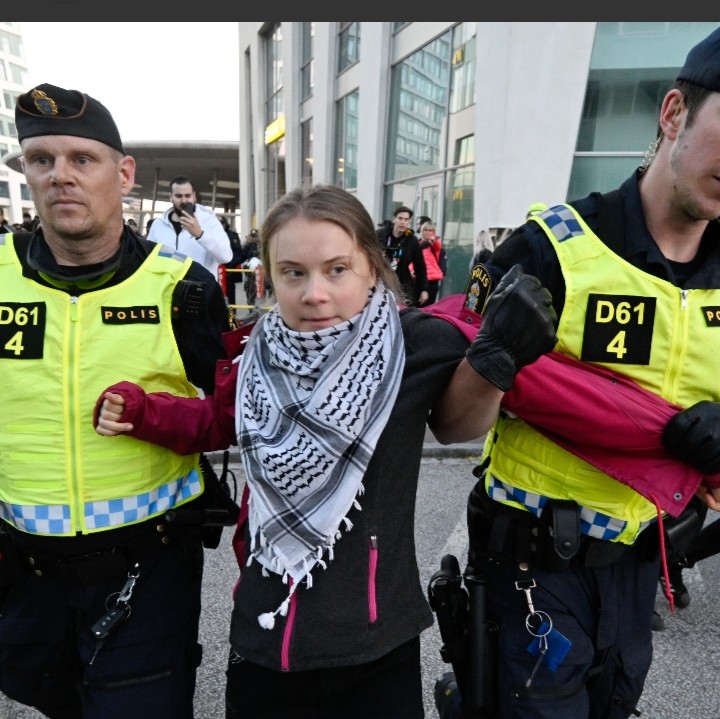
(434, 254)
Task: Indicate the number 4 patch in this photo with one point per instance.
(22, 330)
(618, 329)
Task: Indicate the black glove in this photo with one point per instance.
(518, 326)
(693, 435)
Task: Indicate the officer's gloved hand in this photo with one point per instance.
(518, 326)
(693, 435)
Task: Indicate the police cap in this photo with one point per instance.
(51, 110)
(702, 66)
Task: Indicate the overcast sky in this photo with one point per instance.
(161, 81)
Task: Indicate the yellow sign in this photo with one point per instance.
(275, 130)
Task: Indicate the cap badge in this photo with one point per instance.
(45, 105)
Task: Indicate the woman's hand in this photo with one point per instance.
(108, 419)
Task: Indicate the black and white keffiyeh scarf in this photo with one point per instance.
(310, 407)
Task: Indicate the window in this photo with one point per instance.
(274, 169)
(346, 124)
(306, 62)
(633, 65)
(9, 98)
(273, 75)
(418, 108)
(462, 79)
(18, 74)
(4, 189)
(348, 45)
(306, 171)
(10, 43)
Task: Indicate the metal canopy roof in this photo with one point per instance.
(213, 167)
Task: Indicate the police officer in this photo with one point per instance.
(571, 557)
(99, 593)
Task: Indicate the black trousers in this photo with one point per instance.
(387, 688)
(145, 668)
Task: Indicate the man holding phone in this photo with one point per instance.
(191, 228)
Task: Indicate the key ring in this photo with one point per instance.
(544, 618)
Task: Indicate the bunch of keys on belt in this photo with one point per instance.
(116, 615)
(548, 644)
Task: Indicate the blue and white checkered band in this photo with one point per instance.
(38, 519)
(166, 251)
(563, 223)
(45, 105)
(593, 523)
(104, 514)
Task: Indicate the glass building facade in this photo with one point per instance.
(466, 122)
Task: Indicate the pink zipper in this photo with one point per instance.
(287, 632)
(372, 602)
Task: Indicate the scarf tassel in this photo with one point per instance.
(319, 558)
(267, 619)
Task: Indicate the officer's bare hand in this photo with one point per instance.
(111, 410)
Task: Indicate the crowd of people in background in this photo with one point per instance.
(28, 224)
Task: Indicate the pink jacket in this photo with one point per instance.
(431, 253)
(602, 416)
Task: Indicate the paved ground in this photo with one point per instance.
(682, 681)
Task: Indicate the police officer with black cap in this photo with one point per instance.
(570, 556)
(99, 593)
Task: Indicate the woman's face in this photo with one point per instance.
(319, 276)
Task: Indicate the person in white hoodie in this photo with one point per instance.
(191, 228)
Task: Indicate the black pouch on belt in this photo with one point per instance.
(679, 532)
(560, 534)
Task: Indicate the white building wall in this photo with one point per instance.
(323, 102)
(530, 79)
(15, 206)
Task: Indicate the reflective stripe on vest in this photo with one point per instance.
(106, 514)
